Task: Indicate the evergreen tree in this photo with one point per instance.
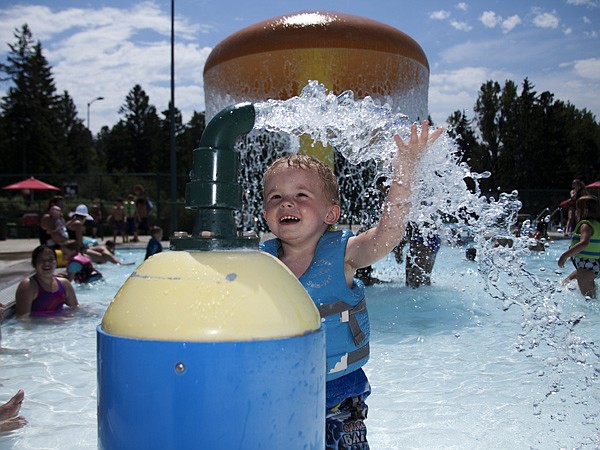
(80, 155)
(164, 161)
(137, 142)
(487, 109)
(188, 141)
(143, 132)
(528, 140)
(31, 138)
(462, 131)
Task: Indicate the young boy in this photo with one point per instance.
(118, 216)
(154, 246)
(130, 218)
(301, 204)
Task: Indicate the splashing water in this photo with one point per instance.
(362, 132)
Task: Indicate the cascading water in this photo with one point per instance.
(362, 132)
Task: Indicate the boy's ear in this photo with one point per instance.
(265, 215)
(333, 215)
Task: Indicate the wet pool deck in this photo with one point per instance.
(15, 264)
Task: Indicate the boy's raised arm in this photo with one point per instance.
(374, 244)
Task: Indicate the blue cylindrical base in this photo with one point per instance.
(266, 394)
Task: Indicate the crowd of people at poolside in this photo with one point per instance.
(48, 291)
(64, 243)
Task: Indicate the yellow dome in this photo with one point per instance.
(211, 296)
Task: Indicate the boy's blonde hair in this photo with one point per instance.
(298, 161)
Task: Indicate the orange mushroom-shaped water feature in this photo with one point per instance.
(275, 59)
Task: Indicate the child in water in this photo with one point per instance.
(585, 246)
(79, 266)
(154, 246)
(43, 293)
(302, 203)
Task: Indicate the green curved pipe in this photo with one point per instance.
(229, 124)
(214, 189)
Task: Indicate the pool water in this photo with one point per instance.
(450, 367)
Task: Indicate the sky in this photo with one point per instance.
(103, 48)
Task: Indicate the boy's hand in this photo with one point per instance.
(410, 152)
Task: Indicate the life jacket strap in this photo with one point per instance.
(351, 358)
(347, 314)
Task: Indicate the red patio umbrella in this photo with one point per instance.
(33, 184)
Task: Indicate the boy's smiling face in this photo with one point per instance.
(296, 206)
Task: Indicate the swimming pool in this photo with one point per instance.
(450, 367)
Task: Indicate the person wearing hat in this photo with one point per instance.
(75, 225)
(86, 245)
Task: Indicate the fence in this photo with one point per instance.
(19, 214)
(20, 211)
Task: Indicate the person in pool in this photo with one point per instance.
(302, 203)
(9, 413)
(79, 267)
(585, 246)
(43, 293)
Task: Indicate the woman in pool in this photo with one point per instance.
(43, 294)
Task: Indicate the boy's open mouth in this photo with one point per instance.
(288, 219)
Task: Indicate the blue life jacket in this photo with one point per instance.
(343, 310)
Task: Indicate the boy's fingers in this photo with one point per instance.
(424, 137)
(425, 129)
(436, 134)
(414, 136)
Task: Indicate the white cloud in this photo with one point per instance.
(592, 3)
(457, 90)
(462, 6)
(92, 53)
(588, 68)
(490, 19)
(439, 15)
(575, 82)
(462, 26)
(509, 24)
(546, 20)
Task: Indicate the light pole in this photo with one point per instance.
(88, 110)
(172, 149)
